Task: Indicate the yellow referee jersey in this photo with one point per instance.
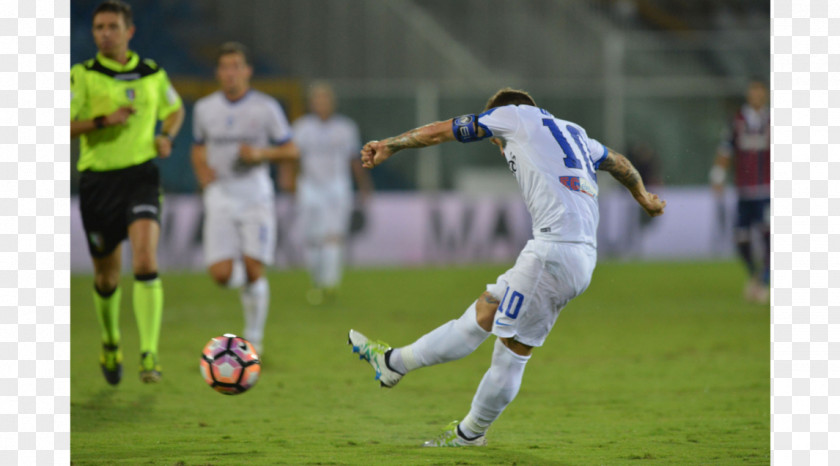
(100, 86)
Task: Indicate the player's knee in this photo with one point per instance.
(106, 282)
(144, 261)
(253, 269)
(517, 347)
(485, 309)
(220, 274)
(145, 266)
(253, 275)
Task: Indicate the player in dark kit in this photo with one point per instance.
(116, 102)
(747, 143)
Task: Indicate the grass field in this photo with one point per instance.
(655, 363)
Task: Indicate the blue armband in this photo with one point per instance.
(464, 128)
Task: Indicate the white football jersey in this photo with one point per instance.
(326, 149)
(222, 126)
(554, 162)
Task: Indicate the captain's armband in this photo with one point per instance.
(465, 128)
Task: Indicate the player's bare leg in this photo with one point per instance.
(106, 271)
(106, 300)
(254, 269)
(255, 297)
(485, 308)
(221, 271)
(517, 347)
(228, 273)
(143, 234)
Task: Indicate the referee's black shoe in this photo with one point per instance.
(111, 362)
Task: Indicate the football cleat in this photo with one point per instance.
(374, 352)
(451, 437)
(110, 359)
(150, 371)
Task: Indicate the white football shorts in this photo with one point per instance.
(233, 229)
(324, 212)
(546, 276)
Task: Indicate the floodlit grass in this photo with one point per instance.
(662, 363)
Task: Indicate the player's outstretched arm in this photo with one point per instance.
(622, 170)
(376, 152)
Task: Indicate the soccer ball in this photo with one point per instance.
(230, 364)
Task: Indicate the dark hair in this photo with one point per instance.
(229, 48)
(116, 6)
(509, 96)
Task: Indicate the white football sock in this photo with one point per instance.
(254, 297)
(331, 264)
(497, 389)
(237, 274)
(313, 263)
(452, 340)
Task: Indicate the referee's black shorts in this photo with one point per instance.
(111, 200)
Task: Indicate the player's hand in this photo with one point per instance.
(163, 145)
(119, 116)
(250, 154)
(374, 153)
(652, 204)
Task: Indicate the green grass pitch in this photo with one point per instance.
(656, 363)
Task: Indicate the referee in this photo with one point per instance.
(116, 101)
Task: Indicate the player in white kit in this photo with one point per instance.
(329, 147)
(238, 131)
(554, 162)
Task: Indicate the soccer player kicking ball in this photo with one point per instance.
(554, 162)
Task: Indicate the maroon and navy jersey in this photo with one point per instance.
(748, 142)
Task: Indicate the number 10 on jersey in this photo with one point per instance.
(510, 307)
(570, 158)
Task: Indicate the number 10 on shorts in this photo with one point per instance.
(510, 307)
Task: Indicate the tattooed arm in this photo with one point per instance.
(622, 170)
(376, 152)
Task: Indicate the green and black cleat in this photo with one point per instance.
(150, 371)
(110, 359)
